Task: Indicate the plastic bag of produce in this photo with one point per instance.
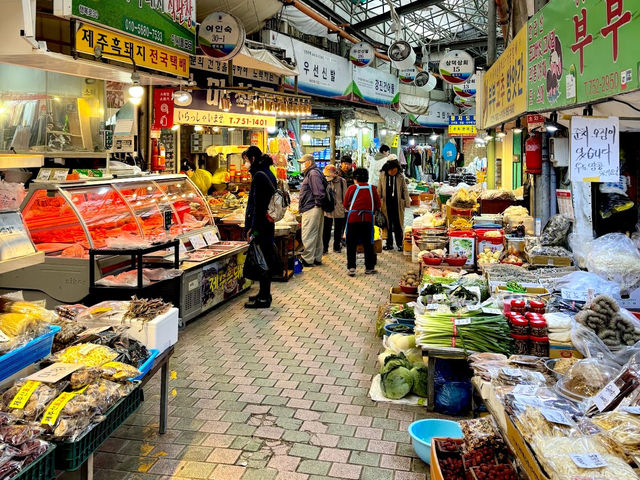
(585, 281)
(555, 231)
(202, 179)
(615, 257)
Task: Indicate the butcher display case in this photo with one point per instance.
(67, 219)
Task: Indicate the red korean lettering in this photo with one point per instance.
(582, 38)
(183, 64)
(164, 58)
(615, 19)
(153, 55)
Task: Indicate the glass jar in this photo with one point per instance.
(537, 306)
(539, 346)
(520, 344)
(519, 325)
(538, 327)
(518, 306)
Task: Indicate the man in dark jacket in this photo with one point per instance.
(346, 169)
(312, 193)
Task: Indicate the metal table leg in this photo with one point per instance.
(164, 396)
(86, 470)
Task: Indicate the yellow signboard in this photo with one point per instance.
(462, 131)
(122, 48)
(222, 119)
(505, 84)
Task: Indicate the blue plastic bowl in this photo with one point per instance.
(405, 321)
(422, 431)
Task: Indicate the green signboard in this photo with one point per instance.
(580, 51)
(171, 23)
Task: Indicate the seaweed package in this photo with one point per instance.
(555, 231)
(130, 351)
(26, 400)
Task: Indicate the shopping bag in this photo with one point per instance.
(255, 265)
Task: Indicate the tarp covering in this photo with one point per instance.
(413, 104)
(261, 59)
(305, 24)
(252, 13)
(392, 119)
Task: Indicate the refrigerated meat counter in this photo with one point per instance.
(67, 219)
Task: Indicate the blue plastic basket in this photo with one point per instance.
(146, 366)
(22, 357)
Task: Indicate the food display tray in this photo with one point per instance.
(42, 468)
(22, 357)
(71, 455)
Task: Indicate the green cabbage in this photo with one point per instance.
(393, 361)
(420, 377)
(396, 383)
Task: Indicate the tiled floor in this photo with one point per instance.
(278, 393)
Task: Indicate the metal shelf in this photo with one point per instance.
(21, 262)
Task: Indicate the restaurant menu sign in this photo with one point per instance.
(580, 51)
(171, 23)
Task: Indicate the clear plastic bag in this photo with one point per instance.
(555, 231)
(585, 281)
(615, 257)
(588, 343)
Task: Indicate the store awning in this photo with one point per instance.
(626, 107)
(264, 60)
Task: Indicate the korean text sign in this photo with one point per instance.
(462, 126)
(505, 84)
(171, 23)
(579, 51)
(119, 47)
(595, 149)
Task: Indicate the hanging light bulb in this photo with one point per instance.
(434, 136)
(383, 132)
(136, 91)
(518, 128)
(198, 128)
(135, 100)
(176, 127)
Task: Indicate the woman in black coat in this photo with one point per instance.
(257, 224)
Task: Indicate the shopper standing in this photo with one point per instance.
(395, 197)
(361, 201)
(337, 217)
(346, 169)
(312, 192)
(379, 159)
(257, 224)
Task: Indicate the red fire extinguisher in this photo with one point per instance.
(533, 154)
(158, 159)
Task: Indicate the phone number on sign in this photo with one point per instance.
(607, 83)
(143, 30)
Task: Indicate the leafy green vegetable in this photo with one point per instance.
(405, 312)
(420, 380)
(515, 287)
(393, 361)
(396, 383)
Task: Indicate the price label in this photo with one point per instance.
(211, 238)
(54, 373)
(571, 294)
(60, 174)
(512, 372)
(167, 217)
(462, 321)
(588, 460)
(606, 396)
(492, 311)
(439, 296)
(44, 174)
(533, 401)
(182, 249)
(633, 410)
(555, 416)
(197, 241)
(539, 377)
(433, 306)
(526, 390)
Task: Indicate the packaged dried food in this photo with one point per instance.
(519, 376)
(520, 344)
(544, 421)
(621, 427)
(104, 311)
(586, 378)
(69, 332)
(16, 435)
(70, 312)
(88, 354)
(85, 376)
(17, 324)
(519, 326)
(27, 399)
(118, 371)
(555, 231)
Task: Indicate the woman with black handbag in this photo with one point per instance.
(395, 197)
(259, 229)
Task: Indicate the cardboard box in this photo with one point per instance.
(522, 450)
(549, 261)
(396, 295)
(562, 350)
(531, 291)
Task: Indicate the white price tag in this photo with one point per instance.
(571, 294)
(526, 390)
(492, 311)
(439, 296)
(633, 410)
(588, 460)
(555, 416)
(606, 396)
(432, 306)
(60, 174)
(55, 372)
(182, 249)
(211, 238)
(462, 321)
(44, 174)
(533, 401)
(512, 372)
(197, 241)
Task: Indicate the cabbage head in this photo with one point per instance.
(396, 383)
(393, 361)
(420, 377)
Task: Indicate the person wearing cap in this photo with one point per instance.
(346, 169)
(335, 219)
(312, 192)
(395, 197)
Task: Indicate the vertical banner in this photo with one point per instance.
(595, 149)
(162, 108)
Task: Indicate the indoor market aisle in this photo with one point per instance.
(279, 393)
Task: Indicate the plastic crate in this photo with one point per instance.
(146, 366)
(41, 469)
(71, 455)
(22, 357)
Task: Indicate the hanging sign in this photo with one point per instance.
(374, 87)
(171, 23)
(456, 67)
(449, 152)
(212, 65)
(467, 89)
(437, 116)
(595, 149)
(535, 120)
(462, 126)
(221, 36)
(463, 102)
(505, 84)
(362, 54)
(162, 108)
(408, 75)
(582, 51)
(122, 48)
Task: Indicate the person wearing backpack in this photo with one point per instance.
(258, 224)
(312, 204)
(361, 202)
(336, 218)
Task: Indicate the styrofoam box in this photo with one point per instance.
(160, 333)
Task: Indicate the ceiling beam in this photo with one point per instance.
(465, 43)
(385, 17)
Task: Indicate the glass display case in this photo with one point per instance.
(65, 220)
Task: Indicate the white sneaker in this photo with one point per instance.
(352, 272)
